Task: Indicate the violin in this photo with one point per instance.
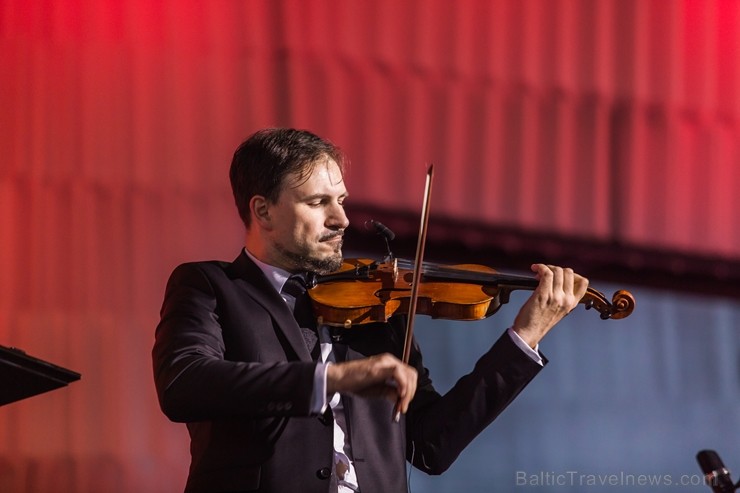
(364, 291)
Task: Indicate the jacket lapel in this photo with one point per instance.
(259, 288)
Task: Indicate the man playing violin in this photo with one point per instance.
(274, 405)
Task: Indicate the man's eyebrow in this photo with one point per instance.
(315, 196)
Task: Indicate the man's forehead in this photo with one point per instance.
(325, 165)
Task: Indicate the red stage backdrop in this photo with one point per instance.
(606, 119)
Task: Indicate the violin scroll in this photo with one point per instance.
(621, 306)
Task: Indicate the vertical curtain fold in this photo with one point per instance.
(612, 119)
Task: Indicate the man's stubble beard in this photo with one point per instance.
(304, 262)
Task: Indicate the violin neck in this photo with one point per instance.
(482, 278)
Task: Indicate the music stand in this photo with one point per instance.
(24, 376)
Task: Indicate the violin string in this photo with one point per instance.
(432, 269)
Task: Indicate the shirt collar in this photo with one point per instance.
(275, 275)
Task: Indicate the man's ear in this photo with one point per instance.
(259, 207)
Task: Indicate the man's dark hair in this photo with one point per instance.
(262, 162)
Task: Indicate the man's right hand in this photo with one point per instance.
(382, 375)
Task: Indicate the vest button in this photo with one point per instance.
(324, 473)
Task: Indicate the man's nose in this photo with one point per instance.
(337, 217)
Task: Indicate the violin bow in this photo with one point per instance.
(418, 261)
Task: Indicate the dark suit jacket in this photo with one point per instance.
(230, 361)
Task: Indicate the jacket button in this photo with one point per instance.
(324, 473)
(327, 418)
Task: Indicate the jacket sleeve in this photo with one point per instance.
(195, 380)
(440, 427)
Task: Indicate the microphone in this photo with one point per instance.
(381, 229)
(716, 475)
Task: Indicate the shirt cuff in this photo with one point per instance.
(318, 396)
(532, 353)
